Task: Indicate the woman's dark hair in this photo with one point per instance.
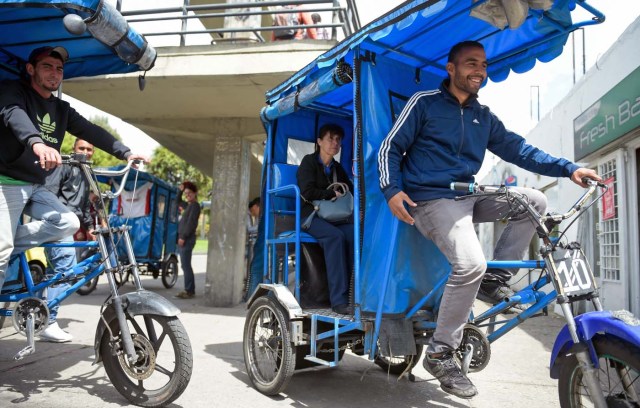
(190, 186)
(329, 128)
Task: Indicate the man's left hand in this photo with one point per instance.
(180, 242)
(583, 172)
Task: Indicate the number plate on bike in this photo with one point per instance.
(573, 272)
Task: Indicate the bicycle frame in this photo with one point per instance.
(78, 274)
(97, 263)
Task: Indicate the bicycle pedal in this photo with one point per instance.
(27, 351)
(466, 358)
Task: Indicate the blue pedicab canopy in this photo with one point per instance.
(149, 205)
(393, 57)
(107, 46)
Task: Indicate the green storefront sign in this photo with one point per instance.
(615, 114)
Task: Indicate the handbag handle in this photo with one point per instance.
(337, 185)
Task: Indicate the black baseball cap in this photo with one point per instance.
(41, 52)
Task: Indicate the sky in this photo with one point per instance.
(512, 100)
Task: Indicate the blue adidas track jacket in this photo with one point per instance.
(436, 141)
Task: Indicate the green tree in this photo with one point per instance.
(100, 157)
(173, 169)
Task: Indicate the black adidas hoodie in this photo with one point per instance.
(27, 118)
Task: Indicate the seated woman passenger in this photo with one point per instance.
(315, 174)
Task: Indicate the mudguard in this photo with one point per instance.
(590, 324)
(142, 302)
(282, 294)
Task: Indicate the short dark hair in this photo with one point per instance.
(457, 49)
(331, 128)
(190, 186)
(75, 142)
(255, 201)
(316, 17)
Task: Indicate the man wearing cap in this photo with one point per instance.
(33, 123)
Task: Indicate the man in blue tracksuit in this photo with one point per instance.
(441, 136)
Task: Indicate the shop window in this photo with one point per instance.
(610, 227)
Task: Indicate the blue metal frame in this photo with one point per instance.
(94, 263)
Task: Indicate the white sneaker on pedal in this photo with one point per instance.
(54, 334)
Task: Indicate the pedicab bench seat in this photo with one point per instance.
(311, 288)
(284, 196)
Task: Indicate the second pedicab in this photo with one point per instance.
(150, 206)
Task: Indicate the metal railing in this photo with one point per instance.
(243, 21)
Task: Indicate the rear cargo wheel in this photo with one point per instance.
(268, 352)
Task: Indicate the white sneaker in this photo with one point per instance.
(54, 334)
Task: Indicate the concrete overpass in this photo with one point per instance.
(202, 103)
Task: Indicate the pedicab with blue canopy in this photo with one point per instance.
(362, 85)
(149, 206)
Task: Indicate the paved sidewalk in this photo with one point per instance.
(62, 375)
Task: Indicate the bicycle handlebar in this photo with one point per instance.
(81, 159)
(476, 189)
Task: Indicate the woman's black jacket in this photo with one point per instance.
(313, 181)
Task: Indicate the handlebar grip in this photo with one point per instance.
(589, 182)
(466, 187)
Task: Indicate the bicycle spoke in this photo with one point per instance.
(163, 370)
(136, 326)
(158, 342)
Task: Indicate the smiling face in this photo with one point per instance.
(46, 75)
(467, 72)
(190, 195)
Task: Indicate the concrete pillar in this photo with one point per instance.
(227, 231)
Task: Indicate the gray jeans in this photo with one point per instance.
(51, 220)
(449, 224)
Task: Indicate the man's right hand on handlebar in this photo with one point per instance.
(582, 173)
(48, 157)
(396, 205)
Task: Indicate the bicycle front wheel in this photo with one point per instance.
(164, 360)
(618, 376)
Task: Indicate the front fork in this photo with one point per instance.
(111, 265)
(587, 365)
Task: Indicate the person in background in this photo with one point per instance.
(252, 216)
(187, 238)
(321, 32)
(69, 184)
(286, 20)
